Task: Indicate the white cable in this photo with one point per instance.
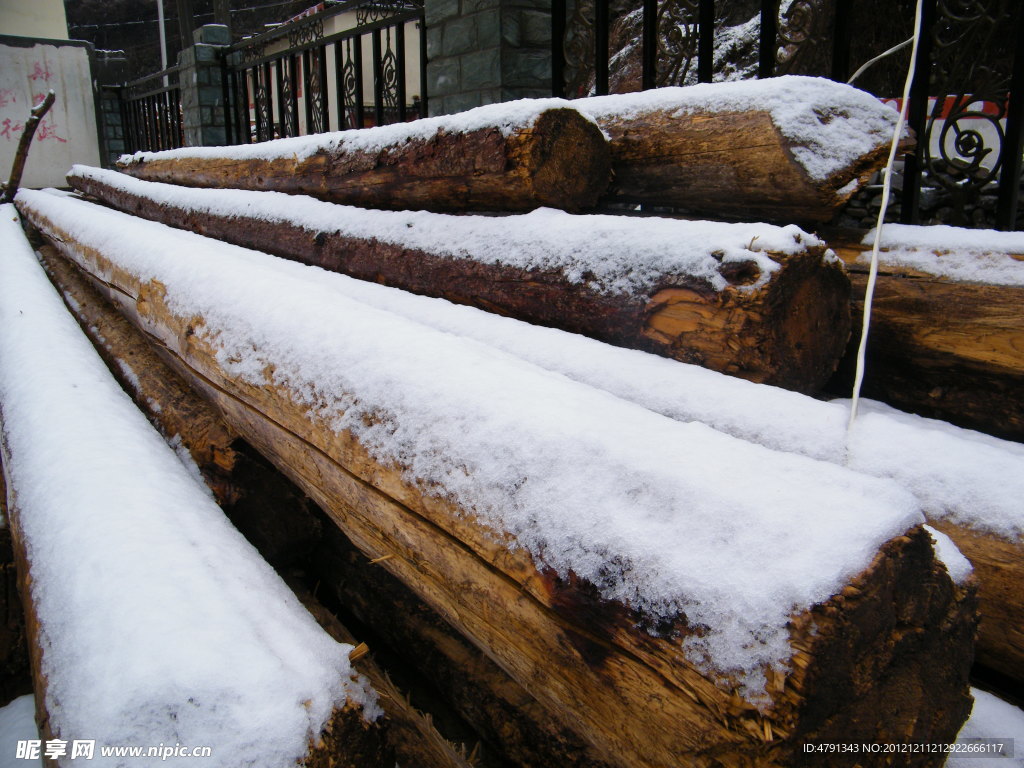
(886, 189)
(878, 58)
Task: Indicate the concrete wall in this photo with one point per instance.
(67, 135)
(34, 18)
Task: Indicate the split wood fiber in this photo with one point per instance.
(885, 660)
(560, 160)
(941, 348)
(789, 332)
(281, 527)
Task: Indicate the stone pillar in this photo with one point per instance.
(202, 92)
(485, 51)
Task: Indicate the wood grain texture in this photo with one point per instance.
(885, 660)
(730, 164)
(789, 332)
(939, 348)
(999, 567)
(561, 161)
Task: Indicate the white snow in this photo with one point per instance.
(969, 255)
(507, 117)
(18, 723)
(611, 254)
(946, 552)
(991, 718)
(666, 516)
(831, 125)
(158, 622)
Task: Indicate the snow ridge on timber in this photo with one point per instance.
(969, 255)
(671, 518)
(507, 117)
(611, 254)
(830, 125)
(158, 621)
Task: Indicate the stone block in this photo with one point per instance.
(434, 37)
(437, 11)
(460, 102)
(460, 36)
(443, 77)
(481, 69)
(212, 34)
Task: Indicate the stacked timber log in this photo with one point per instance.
(282, 527)
(587, 557)
(149, 618)
(791, 149)
(753, 300)
(947, 339)
(500, 157)
(293, 536)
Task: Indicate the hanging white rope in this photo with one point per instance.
(886, 191)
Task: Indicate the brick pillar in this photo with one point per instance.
(202, 93)
(485, 51)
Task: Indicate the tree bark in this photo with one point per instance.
(884, 661)
(939, 348)
(559, 161)
(789, 331)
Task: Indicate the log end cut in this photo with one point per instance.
(566, 158)
(790, 332)
(349, 741)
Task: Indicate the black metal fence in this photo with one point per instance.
(967, 167)
(151, 113)
(361, 64)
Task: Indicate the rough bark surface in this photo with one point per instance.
(885, 660)
(734, 165)
(790, 332)
(561, 161)
(940, 348)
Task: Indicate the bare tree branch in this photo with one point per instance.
(10, 189)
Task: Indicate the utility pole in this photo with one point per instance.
(186, 22)
(222, 13)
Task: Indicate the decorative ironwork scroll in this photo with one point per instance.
(349, 88)
(383, 9)
(304, 32)
(579, 48)
(677, 41)
(313, 63)
(389, 75)
(962, 147)
(805, 38)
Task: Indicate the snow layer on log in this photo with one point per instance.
(611, 254)
(968, 255)
(158, 622)
(830, 125)
(996, 720)
(508, 117)
(671, 518)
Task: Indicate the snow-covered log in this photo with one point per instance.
(784, 149)
(503, 157)
(613, 561)
(752, 300)
(947, 337)
(260, 501)
(151, 620)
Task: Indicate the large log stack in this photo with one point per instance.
(586, 635)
